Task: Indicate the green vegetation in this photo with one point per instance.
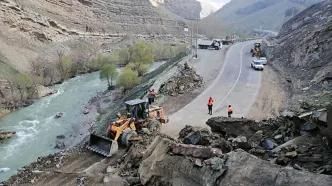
(108, 72)
(23, 82)
(140, 57)
(128, 79)
(6, 70)
(65, 67)
(166, 51)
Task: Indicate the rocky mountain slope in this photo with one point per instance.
(28, 26)
(32, 30)
(302, 53)
(266, 14)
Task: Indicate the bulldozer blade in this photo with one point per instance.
(102, 145)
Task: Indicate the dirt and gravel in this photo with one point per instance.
(272, 97)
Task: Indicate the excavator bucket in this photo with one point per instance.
(102, 145)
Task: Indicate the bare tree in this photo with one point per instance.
(82, 53)
(45, 69)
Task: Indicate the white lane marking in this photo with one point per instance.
(218, 76)
(238, 77)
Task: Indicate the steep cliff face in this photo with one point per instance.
(188, 9)
(302, 50)
(28, 26)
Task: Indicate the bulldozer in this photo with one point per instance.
(256, 51)
(123, 129)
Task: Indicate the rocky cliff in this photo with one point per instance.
(302, 53)
(28, 26)
(188, 9)
(37, 29)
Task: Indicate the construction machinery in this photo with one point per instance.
(123, 128)
(256, 51)
(206, 44)
(230, 39)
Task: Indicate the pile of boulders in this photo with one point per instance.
(285, 141)
(186, 80)
(195, 160)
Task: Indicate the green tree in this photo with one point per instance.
(108, 72)
(140, 57)
(124, 56)
(128, 79)
(23, 82)
(65, 66)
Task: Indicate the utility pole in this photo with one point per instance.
(197, 38)
(192, 35)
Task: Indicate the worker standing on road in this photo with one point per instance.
(210, 105)
(230, 111)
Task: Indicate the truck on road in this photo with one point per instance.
(206, 44)
(230, 39)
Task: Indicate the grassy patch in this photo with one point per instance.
(104, 111)
(6, 70)
(98, 118)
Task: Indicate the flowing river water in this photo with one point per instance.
(36, 126)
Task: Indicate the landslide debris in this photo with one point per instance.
(286, 141)
(186, 80)
(280, 151)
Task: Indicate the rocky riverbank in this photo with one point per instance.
(199, 157)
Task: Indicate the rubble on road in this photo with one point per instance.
(232, 126)
(186, 80)
(285, 141)
(249, 170)
(159, 167)
(238, 151)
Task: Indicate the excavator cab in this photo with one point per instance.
(139, 109)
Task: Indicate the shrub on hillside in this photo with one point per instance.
(128, 79)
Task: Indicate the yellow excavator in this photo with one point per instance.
(123, 129)
(256, 51)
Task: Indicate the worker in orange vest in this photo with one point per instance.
(230, 111)
(210, 105)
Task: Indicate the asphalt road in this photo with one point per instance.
(236, 84)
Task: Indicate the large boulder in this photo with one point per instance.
(161, 168)
(5, 135)
(246, 169)
(233, 126)
(195, 135)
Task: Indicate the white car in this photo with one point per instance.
(263, 60)
(257, 65)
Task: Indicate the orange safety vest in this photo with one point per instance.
(210, 102)
(230, 109)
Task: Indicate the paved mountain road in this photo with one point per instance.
(237, 84)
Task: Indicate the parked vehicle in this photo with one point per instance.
(206, 44)
(263, 60)
(257, 65)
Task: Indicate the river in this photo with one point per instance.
(36, 126)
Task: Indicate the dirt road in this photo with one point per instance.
(236, 84)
